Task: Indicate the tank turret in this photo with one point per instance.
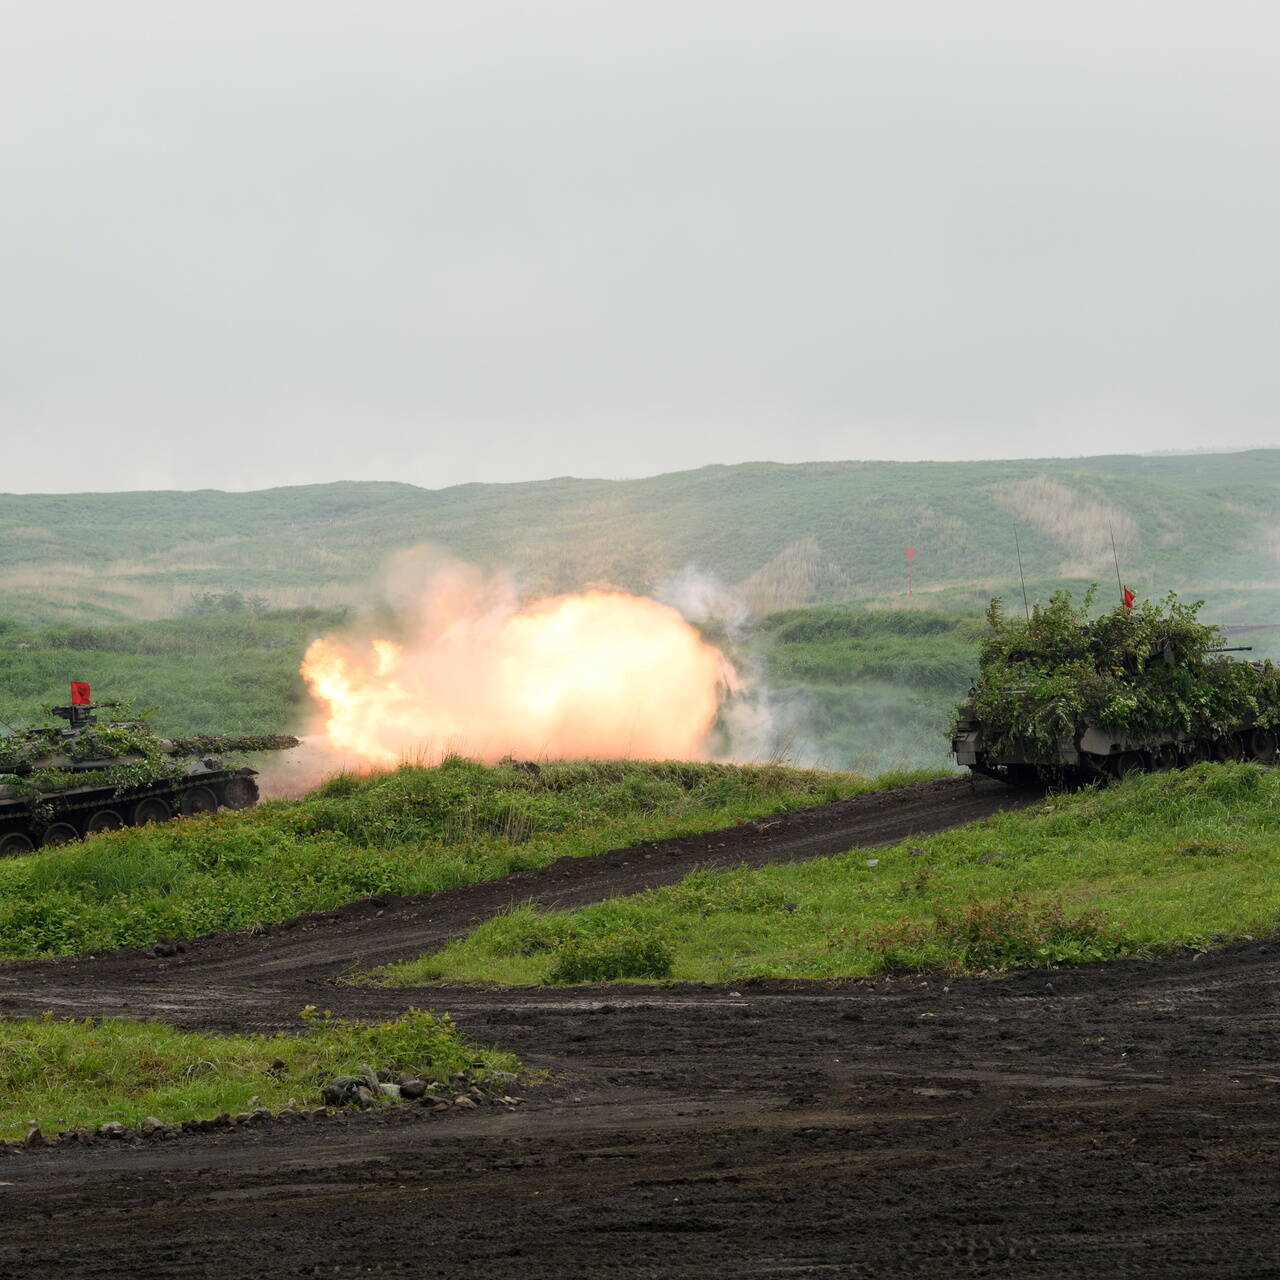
(60, 784)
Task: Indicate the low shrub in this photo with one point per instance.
(623, 952)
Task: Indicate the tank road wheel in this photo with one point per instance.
(1196, 752)
(198, 800)
(1229, 747)
(103, 820)
(1164, 757)
(150, 809)
(1263, 746)
(14, 845)
(1127, 763)
(58, 833)
(240, 793)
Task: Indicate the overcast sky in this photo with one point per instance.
(256, 243)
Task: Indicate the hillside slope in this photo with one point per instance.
(785, 535)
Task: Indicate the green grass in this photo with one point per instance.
(69, 1073)
(1185, 858)
(867, 690)
(223, 674)
(412, 830)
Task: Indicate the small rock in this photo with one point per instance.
(873, 862)
(341, 1090)
(363, 1096)
(441, 1106)
(384, 1076)
(433, 1100)
(463, 1101)
(390, 1091)
(242, 1117)
(411, 1090)
(35, 1138)
(149, 1126)
(112, 1129)
(167, 947)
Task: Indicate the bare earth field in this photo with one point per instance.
(1120, 1119)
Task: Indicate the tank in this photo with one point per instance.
(1063, 697)
(61, 784)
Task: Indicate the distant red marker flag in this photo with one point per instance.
(911, 553)
(79, 694)
(1129, 597)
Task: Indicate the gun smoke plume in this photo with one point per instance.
(479, 672)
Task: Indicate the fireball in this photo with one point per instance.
(600, 674)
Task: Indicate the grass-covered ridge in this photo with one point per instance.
(785, 534)
(412, 830)
(1183, 858)
(80, 1073)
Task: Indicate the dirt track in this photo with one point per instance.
(1121, 1120)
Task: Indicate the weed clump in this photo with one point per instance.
(1007, 932)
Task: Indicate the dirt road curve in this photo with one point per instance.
(1120, 1121)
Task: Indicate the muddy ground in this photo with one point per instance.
(1120, 1120)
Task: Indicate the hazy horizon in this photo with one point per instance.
(1153, 453)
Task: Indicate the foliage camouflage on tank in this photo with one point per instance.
(1063, 696)
(58, 785)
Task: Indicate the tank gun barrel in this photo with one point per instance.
(215, 744)
(1232, 648)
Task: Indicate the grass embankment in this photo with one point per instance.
(68, 1073)
(412, 830)
(1185, 858)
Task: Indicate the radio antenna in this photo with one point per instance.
(1115, 556)
(1021, 578)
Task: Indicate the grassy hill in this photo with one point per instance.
(784, 535)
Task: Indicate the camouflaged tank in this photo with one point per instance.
(61, 784)
(1063, 697)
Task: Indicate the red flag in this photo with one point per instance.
(1128, 597)
(79, 693)
(911, 553)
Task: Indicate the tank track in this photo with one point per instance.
(71, 815)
